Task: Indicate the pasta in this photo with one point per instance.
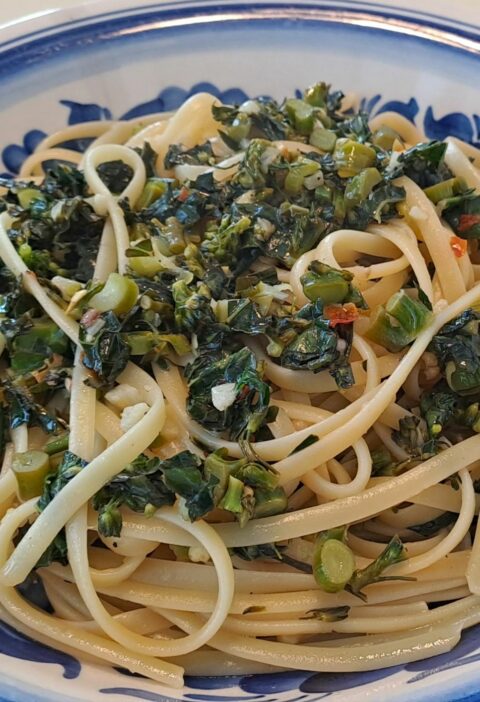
(240, 384)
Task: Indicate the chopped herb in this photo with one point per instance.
(328, 614)
(373, 573)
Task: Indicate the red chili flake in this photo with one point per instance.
(341, 314)
(467, 221)
(243, 393)
(458, 246)
(183, 194)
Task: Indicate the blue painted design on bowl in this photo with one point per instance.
(16, 645)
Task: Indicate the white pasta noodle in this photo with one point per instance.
(333, 417)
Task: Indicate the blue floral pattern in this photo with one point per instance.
(455, 124)
(16, 645)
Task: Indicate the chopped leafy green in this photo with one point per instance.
(106, 353)
(437, 409)
(414, 438)
(432, 527)
(424, 163)
(320, 346)
(249, 408)
(462, 212)
(36, 344)
(69, 467)
(149, 158)
(252, 553)
(328, 614)
(116, 175)
(56, 552)
(24, 409)
(457, 348)
(373, 573)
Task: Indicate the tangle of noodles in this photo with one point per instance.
(210, 330)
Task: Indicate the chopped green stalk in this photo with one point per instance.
(393, 553)
(270, 502)
(328, 614)
(398, 324)
(361, 185)
(323, 139)
(317, 94)
(294, 182)
(142, 342)
(57, 445)
(352, 157)
(412, 314)
(153, 190)
(321, 282)
(232, 500)
(118, 295)
(218, 464)
(301, 114)
(31, 468)
(295, 178)
(333, 565)
(240, 128)
(384, 137)
(145, 266)
(28, 195)
(257, 476)
(445, 189)
(171, 240)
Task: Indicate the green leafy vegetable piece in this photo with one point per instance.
(149, 158)
(23, 409)
(328, 614)
(35, 344)
(457, 348)
(432, 527)
(437, 409)
(105, 352)
(373, 573)
(424, 164)
(361, 185)
(320, 346)
(193, 311)
(116, 175)
(56, 552)
(249, 409)
(69, 467)
(413, 437)
(224, 242)
(462, 212)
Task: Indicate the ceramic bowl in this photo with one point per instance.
(120, 60)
